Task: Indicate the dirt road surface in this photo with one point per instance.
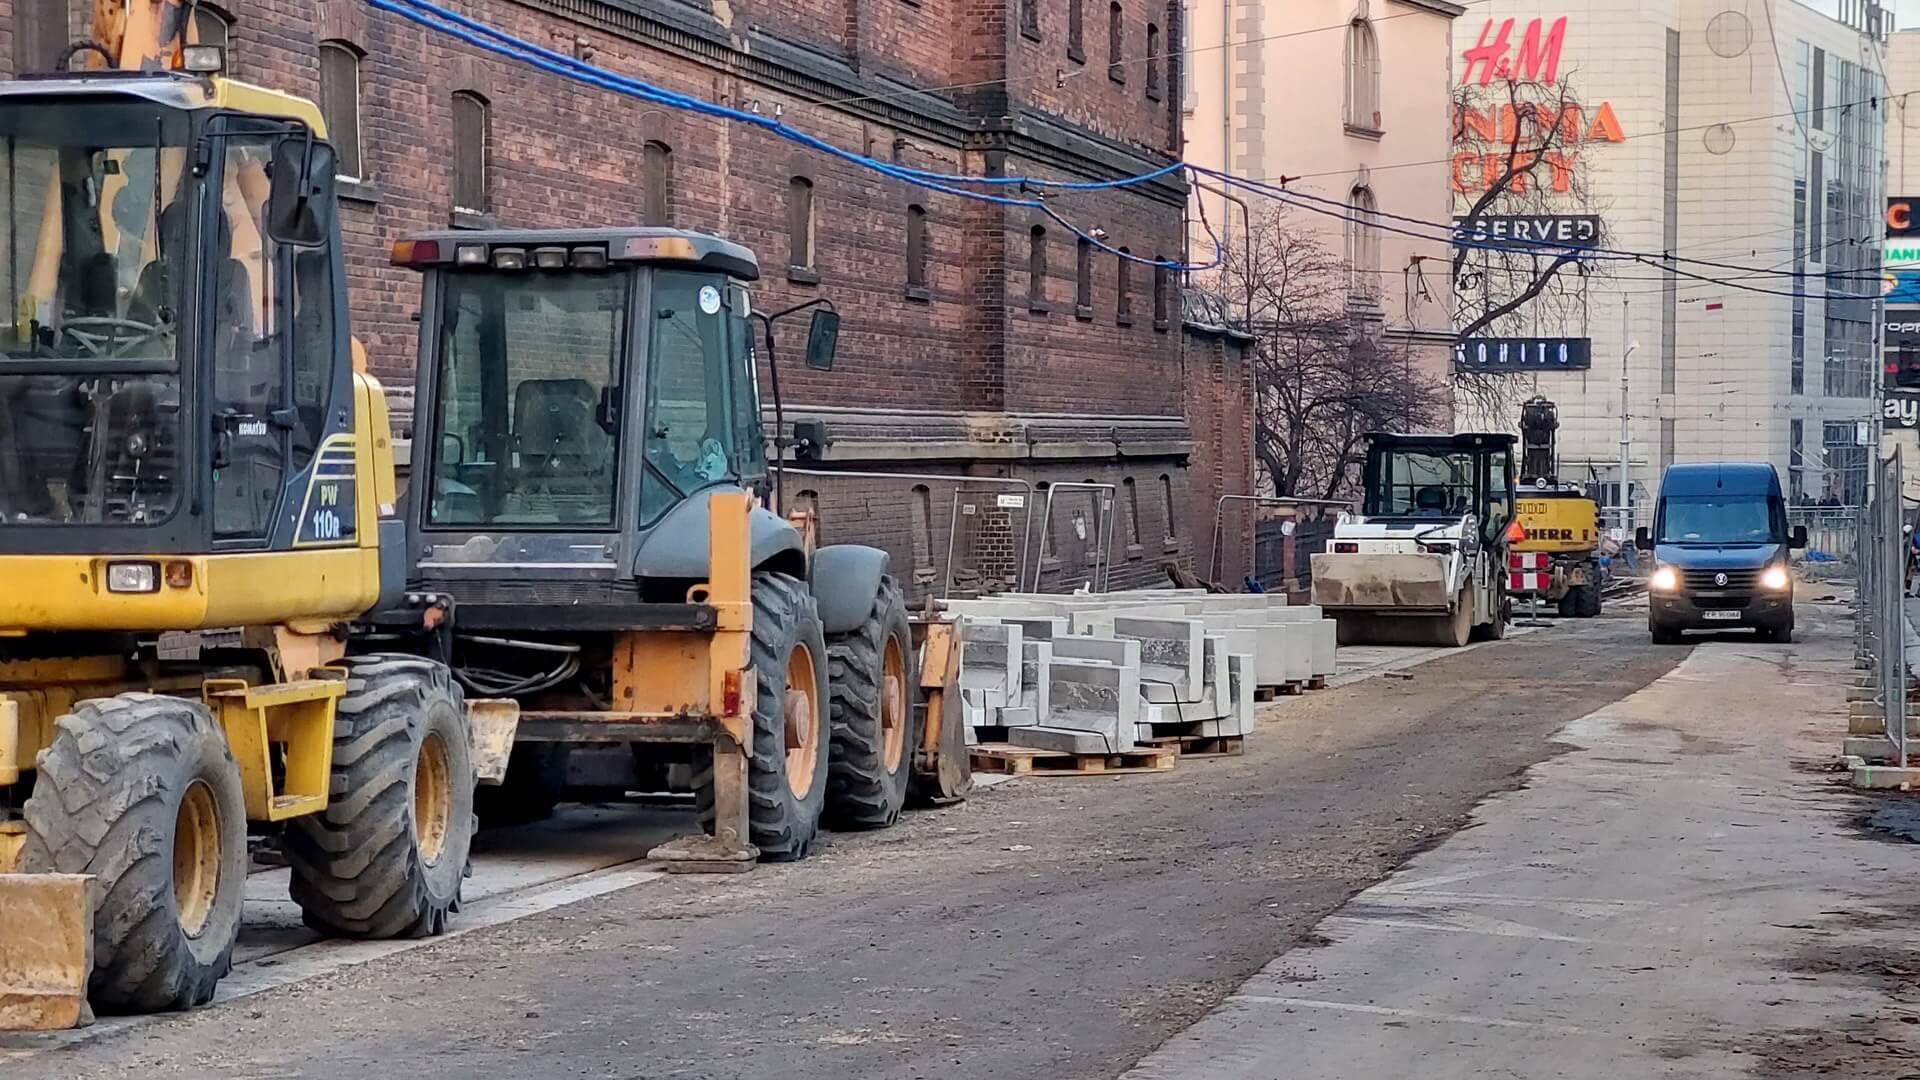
(1055, 927)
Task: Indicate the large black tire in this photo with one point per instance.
(369, 866)
(782, 823)
(865, 790)
(108, 801)
(535, 782)
(1662, 634)
(1586, 600)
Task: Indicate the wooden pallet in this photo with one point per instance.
(1268, 693)
(1203, 745)
(1024, 761)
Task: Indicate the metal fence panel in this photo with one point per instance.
(1880, 555)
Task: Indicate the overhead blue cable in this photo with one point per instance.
(480, 35)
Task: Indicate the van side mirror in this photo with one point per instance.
(823, 337)
(1798, 541)
(1643, 539)
(302, 176)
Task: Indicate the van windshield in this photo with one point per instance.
(1717, 519)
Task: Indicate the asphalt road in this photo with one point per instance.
(1055, 927)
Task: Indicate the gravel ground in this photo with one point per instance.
(1052, 927)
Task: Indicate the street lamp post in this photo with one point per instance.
(1626, 432)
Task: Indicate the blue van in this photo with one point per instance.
(1720, 541)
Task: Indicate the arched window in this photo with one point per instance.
(340, 104)
(472, 151)
(1162, 287)
(1125, 306)
(656, 179)
(1116, 43)
(1037, 269)
(1153, 61)
(1363, 240)
(1363, 76)
(1083, 279)
(916, 247)
(1077, 30)
(800, 223)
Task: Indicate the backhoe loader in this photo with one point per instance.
(196, 477)
(589, 522)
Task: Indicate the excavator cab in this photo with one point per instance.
(174, 356)
(193, 482)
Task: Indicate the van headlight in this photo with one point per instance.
(1775, 577)
(1665, 579)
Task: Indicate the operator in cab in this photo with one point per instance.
(1720, 543)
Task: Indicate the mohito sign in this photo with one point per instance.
(1523, 354)
(1547, 230)
(1521, 137)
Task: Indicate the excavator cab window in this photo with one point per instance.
(93, 246)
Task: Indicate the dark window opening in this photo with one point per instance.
(340, 105)
(656, 178)
(472, 138)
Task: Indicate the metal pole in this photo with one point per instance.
(1626, 433)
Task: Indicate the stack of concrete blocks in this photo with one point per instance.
(990, 673)
(1189, 661)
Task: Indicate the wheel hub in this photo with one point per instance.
(893, 707)
(432, 799)
(196, 858)
(801, 715)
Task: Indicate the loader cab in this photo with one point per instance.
(1411, 479)
(577, 390)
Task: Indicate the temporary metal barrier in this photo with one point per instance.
(1096, 539)
(1219, 522)
(1880, 631)
(1831, 530)
(1005, 502)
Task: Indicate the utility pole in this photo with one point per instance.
(1626, 432)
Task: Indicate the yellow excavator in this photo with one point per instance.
(195, 480)
(1554, 555)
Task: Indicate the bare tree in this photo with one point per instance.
(1517, 146)
(1322, 379)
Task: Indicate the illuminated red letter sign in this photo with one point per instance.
(1538, 60)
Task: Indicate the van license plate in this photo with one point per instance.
(1729, 616)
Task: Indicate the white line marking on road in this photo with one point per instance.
(1410, 1014)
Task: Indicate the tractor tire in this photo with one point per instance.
(871, 687)
(787, 773)
(141, 792)
(386, 858)
(535, 782)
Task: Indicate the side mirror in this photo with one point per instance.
(1798, 540)
(823, 337)
(302, 176)
(1643, 539)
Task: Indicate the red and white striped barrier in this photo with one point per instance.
(1527, 572)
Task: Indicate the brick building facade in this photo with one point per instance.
(977, 339)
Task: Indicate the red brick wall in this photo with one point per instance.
(1218, 386)
(566, 154)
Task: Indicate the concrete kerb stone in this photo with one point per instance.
(1036, 659)
(1872, 749)
(1093, 696)
(1240, 687)
(1885, 777)
(1172, 657)
(1120, 652)
(990, 661)
(1064, 740)
(1284, 650)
